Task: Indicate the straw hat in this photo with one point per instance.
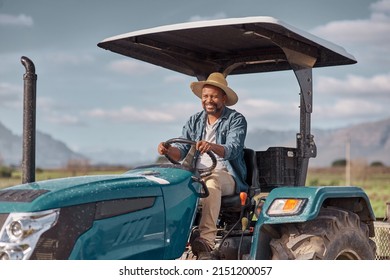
(218, 80)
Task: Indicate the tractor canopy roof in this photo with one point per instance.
(231, 46)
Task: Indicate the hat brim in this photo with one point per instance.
(197, 87)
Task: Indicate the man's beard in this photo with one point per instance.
(212, 109)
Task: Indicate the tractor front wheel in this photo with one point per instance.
(336, 234)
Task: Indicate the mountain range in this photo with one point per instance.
(50, 153)
(367, 141)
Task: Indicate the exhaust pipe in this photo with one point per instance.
(29, 106)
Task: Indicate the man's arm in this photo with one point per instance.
(170, 151)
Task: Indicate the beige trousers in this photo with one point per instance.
(219, 183)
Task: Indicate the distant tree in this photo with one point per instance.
(377, 164)
(339, 162)
(39, 170)
(77, 166)
(5, 171)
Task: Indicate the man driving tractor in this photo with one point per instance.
(221, 130)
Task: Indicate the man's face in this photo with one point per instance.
(213, 100)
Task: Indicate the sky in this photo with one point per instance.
(105, 105)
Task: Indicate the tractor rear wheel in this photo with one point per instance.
(336, 234)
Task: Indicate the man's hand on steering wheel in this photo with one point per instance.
(173, 153)
(165, 148)
(170, 152)
(203, 146)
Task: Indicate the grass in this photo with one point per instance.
(374, 180)
(41, 175)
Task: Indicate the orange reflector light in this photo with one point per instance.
(286, 207)
(290, 204)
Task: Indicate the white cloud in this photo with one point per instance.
(131, 67)
(47, 104)
(378, 85)
(64, 120)
(368, 31)
(10, 95)
(167, 113)
(181, 111)
(371, 32)
(219, 15)
(356, 97)
(261, 107)
(132, 115)
(261, 113)
(350, 108)
(52, 111)
(19, 20)
(381, 6)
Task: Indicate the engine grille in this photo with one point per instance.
(20, 195)
(382, 240)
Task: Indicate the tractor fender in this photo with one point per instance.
(348, 198)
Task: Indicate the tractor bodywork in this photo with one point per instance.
(149, 212)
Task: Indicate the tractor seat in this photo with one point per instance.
(232, 203)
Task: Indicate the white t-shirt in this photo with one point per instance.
(204, 160)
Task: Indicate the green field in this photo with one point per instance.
(374, 180)
(41, 175)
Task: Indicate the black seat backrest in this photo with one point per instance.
(252, 178)
(232, 203)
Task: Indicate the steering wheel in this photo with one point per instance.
(203, 171)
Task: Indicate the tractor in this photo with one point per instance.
(151, 212)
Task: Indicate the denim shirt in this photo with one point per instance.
(230, 133)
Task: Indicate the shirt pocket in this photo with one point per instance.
(223, 135)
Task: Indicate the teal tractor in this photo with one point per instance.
(150, 212)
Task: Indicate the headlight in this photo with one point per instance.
(286, 207)
(16, 229)
(21, 232)
(22, 228)
(11, 254)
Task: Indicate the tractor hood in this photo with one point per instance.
(231, 46)
(57, 193)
